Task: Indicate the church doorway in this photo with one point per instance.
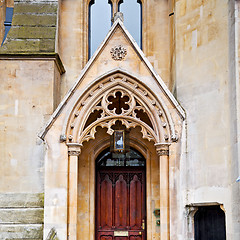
(120, 196)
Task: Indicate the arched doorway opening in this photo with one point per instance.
(83, 130)
(120, 195)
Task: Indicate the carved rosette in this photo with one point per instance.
(118, 53)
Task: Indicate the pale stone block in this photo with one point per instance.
(21, 231)
(21, 200)
(28, 215)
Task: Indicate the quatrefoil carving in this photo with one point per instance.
(118, 103)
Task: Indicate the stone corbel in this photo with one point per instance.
(74, 149)
(190, 210)
(162, 149)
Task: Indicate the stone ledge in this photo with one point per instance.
(21, 200)
(35, 7)
(28, 46)
(21, 216)
(26, 231)
(35, 56)
(34, 20)
(32, 32)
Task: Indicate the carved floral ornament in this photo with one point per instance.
(119, 98)
(118, 52)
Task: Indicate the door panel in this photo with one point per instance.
(135, 238)
(103, 237)
(135, 203)
(106, 203)
(120, 204)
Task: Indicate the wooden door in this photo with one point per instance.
(120, 204)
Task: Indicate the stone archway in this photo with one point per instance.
(150, 111)
(156, 125)
(139, 108)
(120, 199)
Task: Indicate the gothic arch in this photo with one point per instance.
(92, 110)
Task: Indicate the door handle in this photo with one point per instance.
(140, 233)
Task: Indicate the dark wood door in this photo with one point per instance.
(120, 204)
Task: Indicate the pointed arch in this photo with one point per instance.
(155, 119)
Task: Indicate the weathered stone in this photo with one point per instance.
(21, 216)
(47, 45)
(34, 20)
(21, 200)
(23, 239)
(32, 32)
(26, 231)
(28, 46)
(35, 8)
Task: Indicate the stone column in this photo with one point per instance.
(73, 153)
(163, 153)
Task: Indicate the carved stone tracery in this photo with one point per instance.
(119, 98)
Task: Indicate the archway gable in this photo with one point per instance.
(141, 98)
(102, 64)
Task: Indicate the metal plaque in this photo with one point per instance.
(120, 233)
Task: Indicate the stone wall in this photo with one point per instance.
(33, 28)
(21, 216)
(29, 92)
(206, 88)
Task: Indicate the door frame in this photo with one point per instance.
(123, 169)
(144, 150)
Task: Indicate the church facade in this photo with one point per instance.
(122, 127)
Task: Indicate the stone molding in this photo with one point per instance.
(162, 149)
(74, 149)
(36, 57)
(141, 98)
(170, 98)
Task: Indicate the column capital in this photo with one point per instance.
(162, 149)
(74, 149)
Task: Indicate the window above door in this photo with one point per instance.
(101, 14)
